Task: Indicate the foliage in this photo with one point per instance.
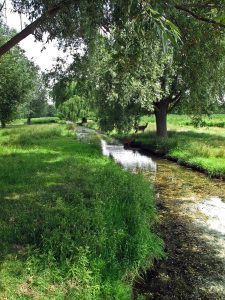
(130, 71)
(73, 223)
(45, 120)
(16, 73)
(36, 99)
(51, 110)
(79, 22)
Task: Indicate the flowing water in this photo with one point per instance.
(191, 223)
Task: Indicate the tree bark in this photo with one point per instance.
(3, 124)
(161, 108)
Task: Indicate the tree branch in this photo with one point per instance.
(174, 101)
(198, 17)
(1, 8)
(200, 5)
(28, 30)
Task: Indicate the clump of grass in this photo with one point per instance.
(72, 223)
(44, 120)
(32, 134)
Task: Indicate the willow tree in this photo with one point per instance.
(132, 72)
(199, 63)
(129, 23)
(74, 22)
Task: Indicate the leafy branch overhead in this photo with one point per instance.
(76, 20)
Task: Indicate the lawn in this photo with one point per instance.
(215, 120)
(42, 120)
(73, 224)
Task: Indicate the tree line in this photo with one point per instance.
(23, 92)
(136, 57)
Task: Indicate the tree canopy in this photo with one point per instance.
(131, 71)
(16, 79)
(137, 56)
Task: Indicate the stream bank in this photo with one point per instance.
(191, 223)
(149, 150)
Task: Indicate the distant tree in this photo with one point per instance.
(16, 73)
(36, 103)
(63, 90)
(73, 109)
(70, 103)
(51, 110)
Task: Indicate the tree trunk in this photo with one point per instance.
(161, 108)
(29, 121)
(3, 123)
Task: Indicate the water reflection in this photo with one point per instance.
(129, 159)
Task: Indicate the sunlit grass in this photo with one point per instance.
(215, 120)
(73, 225)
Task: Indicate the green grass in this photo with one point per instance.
(42, 120)
(216, 120)
(73, 224)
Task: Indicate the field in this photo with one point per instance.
(73, 224)
(43, 120)
(202, 148)
(216, 120)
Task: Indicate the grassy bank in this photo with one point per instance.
(42, 120)
(73, 224)
(202, 149)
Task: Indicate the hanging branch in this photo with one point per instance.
(198, 17)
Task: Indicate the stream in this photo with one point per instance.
(191, 223)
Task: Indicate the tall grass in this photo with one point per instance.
(73, 225)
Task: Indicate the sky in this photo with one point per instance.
(46, 58)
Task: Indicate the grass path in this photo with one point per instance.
(73, 224)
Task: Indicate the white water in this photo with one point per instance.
(129, 159)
